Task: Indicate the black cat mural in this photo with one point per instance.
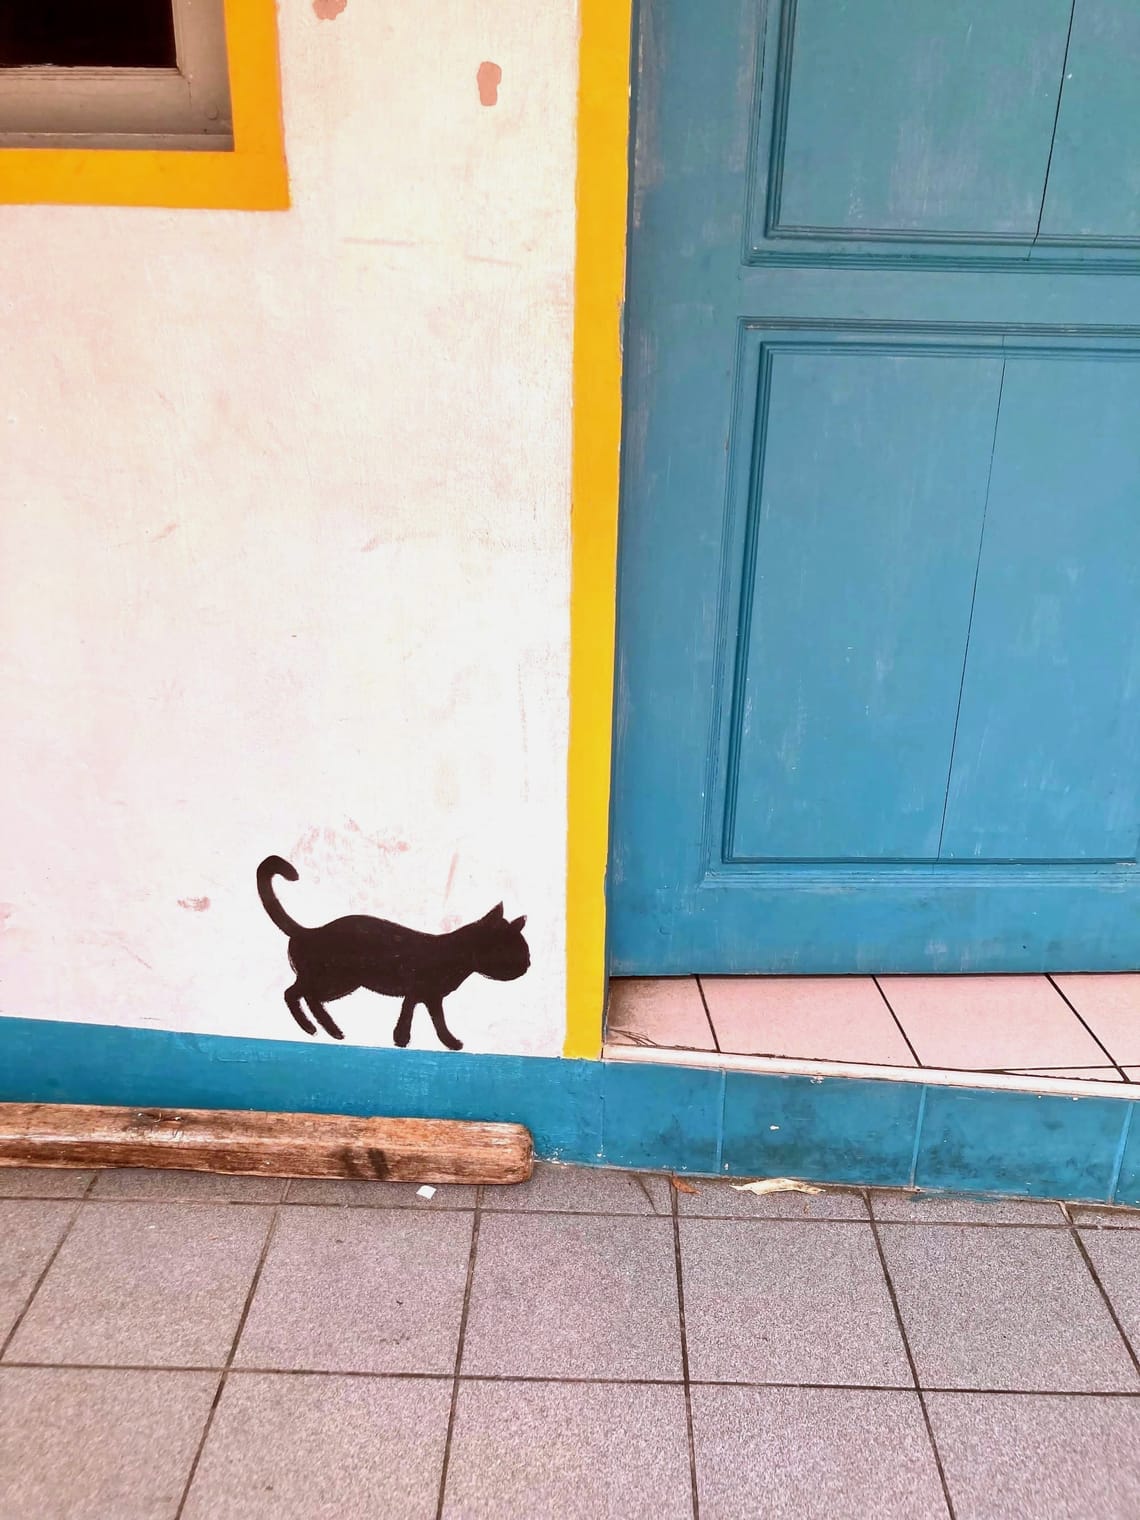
(358, 951)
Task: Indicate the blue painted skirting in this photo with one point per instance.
(675, 1118)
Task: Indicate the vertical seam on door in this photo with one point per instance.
(973, 603)
(1056, 119)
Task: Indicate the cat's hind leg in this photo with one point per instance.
(441, 1029)
(293, 1001)
(323, 1017)
(403, 1030)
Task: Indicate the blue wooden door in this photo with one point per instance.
(879, 608)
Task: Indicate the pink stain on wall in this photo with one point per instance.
(328, 10)
(489, 78)
(194, 904)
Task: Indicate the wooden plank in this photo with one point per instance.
(264, 1144)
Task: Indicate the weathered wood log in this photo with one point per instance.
(264, 1144)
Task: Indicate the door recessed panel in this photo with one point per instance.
(868, 501)
(925, 118)
(1046, 760)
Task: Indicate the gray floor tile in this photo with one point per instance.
(194, 1187)
(574, 1296)
(584, 1190)
(588, 1450)
(1029, 1457)
(42, 1182)
(156, 1285)
(360, 1290)
(1116, 1257)
(77, 1444)
(788, 1301)
(813, 1454)
(1105, 1219)
(1003, 1309)
(377, 1195)
(936, 1208)
(720, 1200)
(29, 1233)
(299, 1447)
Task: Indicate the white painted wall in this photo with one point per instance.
(284, 543)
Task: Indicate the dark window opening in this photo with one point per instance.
(122, 34)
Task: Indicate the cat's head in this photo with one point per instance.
(503, 953)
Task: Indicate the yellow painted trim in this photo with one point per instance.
(599, 288)
(251, 178)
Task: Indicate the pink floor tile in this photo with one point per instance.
(665, 1011)
(815, 1018)
(990, 1023)
(1110, 1006)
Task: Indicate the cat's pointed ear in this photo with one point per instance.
(495, 914)
(517, 923)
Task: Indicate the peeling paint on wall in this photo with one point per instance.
(328, 10)
(489, 78)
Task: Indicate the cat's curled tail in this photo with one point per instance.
(271, 866)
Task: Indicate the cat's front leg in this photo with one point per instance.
(293, 1001)
(403, 1030)
(323, 1017)
(441, 1029)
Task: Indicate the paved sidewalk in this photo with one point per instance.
(591, 1344)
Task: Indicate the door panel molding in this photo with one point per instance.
(757, 339)
(1047, 144)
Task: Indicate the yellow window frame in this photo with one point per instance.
(251, 177)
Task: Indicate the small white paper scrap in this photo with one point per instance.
(775, 1185)
(429, 1192)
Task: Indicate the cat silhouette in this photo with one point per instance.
(358, 951)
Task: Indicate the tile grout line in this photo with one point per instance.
(608, 1382)
(229, 1361)
(1119, 1076)
(38, 1284)
(912, 1364)
(1118, 1159)
(455, 1378)
(1103, 1291)
(898, 1021)
(694, 1492)
(722, 1108)
(1080, 1018)
(919, 1121)
(791, 1217)
(708, 1015)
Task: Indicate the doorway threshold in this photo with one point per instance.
(1063, 1035)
